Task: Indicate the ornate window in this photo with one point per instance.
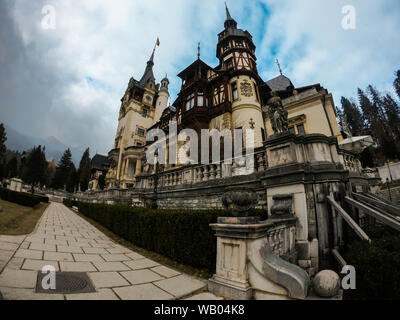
(141, 132)
(234, 91)
(144, 113)
(190, 102)
(200, 98)
(300, 129)
(239, 44)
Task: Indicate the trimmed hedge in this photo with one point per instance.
(22, 198)
(376, 265)
(181, 235)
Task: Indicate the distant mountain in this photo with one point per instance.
(55, 148)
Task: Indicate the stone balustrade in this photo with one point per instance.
(192, 174)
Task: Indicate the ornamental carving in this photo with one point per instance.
(245, 88)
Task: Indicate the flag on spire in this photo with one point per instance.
(158, 41)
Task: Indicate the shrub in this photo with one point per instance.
(181, 235)
(375, 265)
(22, 198)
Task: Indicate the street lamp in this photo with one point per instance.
(154, 202)
(387, 180)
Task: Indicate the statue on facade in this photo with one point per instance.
(277, 115)
(345, 127)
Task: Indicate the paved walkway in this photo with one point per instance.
(69, 243)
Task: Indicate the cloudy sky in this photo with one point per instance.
(67, 82)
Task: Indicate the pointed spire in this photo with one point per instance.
(148, 73)
(198, 51)
(228, 15)
(279, 66)
(229, 22)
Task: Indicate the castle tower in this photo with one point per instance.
(236, 53)
(162, 100)
(140, 104)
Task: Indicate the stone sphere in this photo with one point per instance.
(326, 283)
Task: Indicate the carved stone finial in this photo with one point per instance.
(345, 127)
(239, 200)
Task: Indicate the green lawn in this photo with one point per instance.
(19, 220)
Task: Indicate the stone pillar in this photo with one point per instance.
(138, 166)
(247, 268)
(231, 278)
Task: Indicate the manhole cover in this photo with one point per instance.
(66, 282)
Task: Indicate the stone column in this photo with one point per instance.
(138, 166)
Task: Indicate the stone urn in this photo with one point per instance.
(239, 200)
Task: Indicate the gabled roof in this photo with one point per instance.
(198, 62)
(100, 162)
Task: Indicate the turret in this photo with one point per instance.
(162, 100)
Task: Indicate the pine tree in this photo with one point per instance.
(392, 110)
(35, 167)
(63, 171)
(396, 83)
(84, 170)
(72, 179)
(3, 149)
(353, 116)
(12, 168)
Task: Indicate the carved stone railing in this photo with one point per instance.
(258, 260)
(192, 174)
(108, 195)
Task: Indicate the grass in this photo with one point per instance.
(19, 220)
(148, 254)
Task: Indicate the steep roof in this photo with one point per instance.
(280, 83)
(100, 162)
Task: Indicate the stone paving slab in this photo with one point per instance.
(69, 243)
(29, 254)
(8, 246)
(165, 271)
(108, 279)
(37, 265)
(68, 266)
(180, 286)
(27, 294)
(141, 276)
(146, 291)
(18, 278)
(102, 294)
(141, 264)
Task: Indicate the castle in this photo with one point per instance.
(230, 96)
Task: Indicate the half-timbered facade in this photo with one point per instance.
(229, 96)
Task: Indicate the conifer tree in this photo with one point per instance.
(12, 168)
(64, 170)
(353, 116)
(84, 170)
(3, 149)
(35, 167)
(396, 83)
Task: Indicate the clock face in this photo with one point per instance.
(148, 98)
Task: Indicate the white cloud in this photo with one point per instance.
(110, 41)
